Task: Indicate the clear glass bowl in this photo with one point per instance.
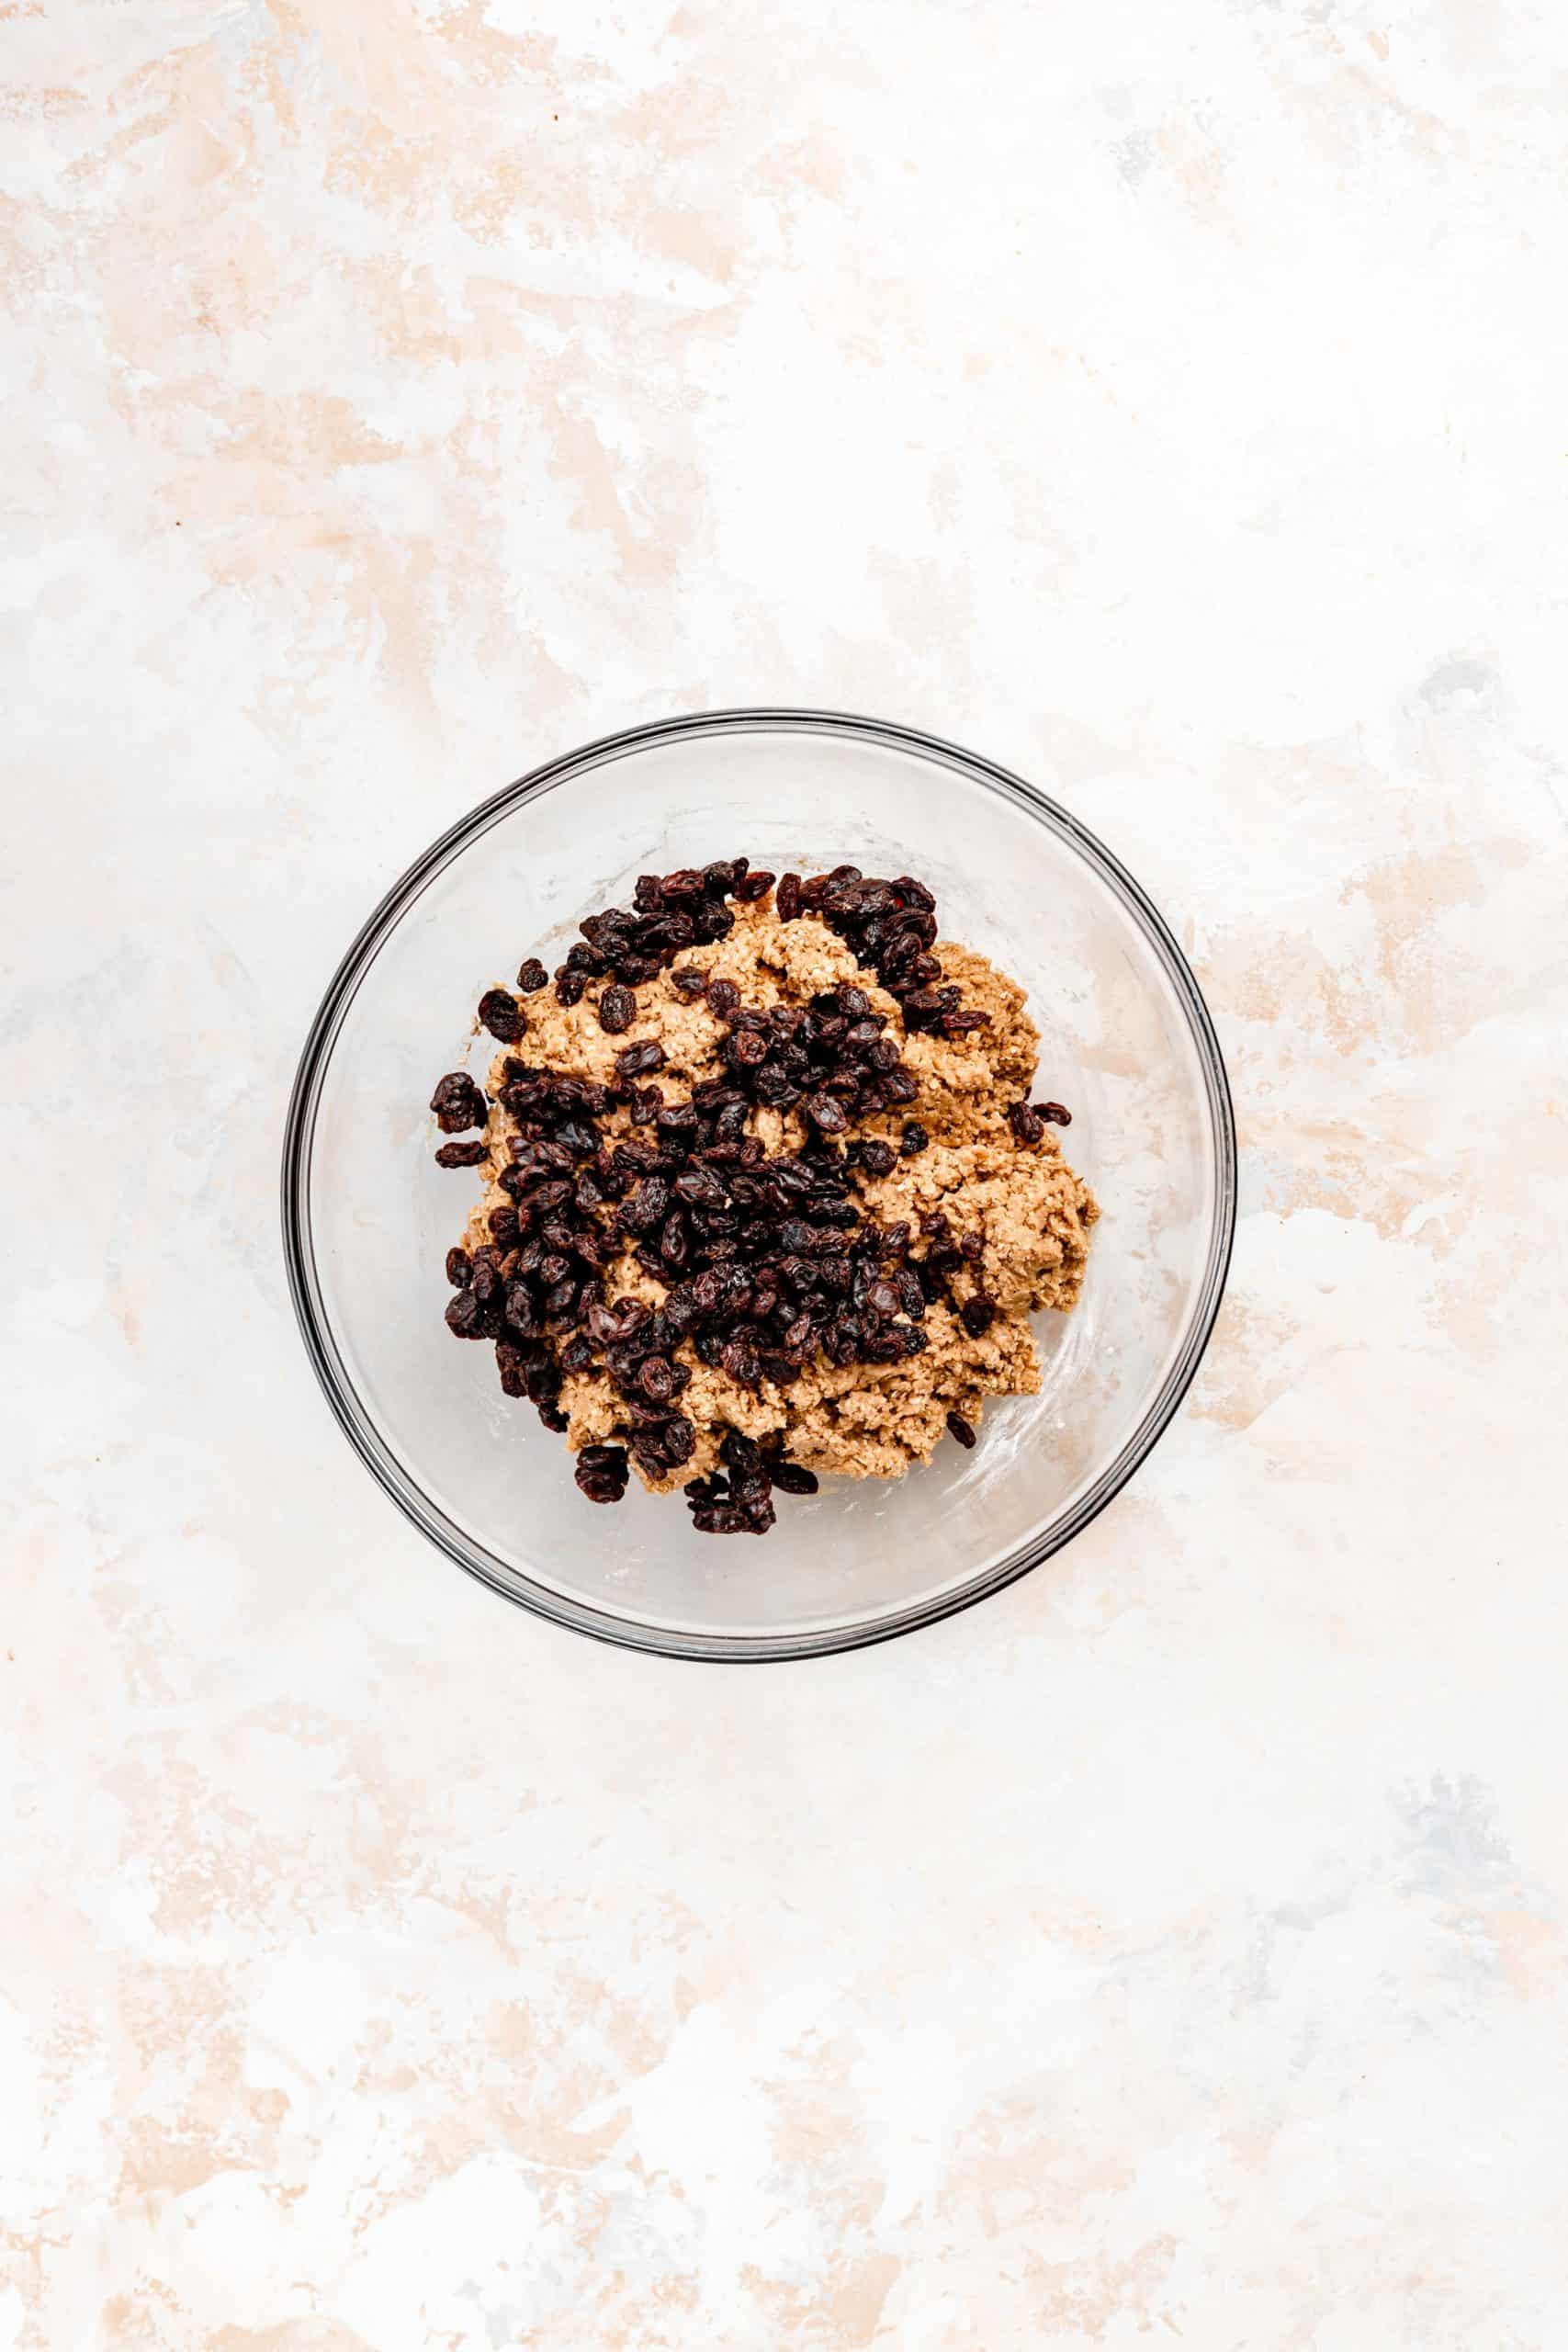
(368, 1217)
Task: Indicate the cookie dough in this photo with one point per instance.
(1016, 1212)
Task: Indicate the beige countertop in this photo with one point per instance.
(1168, 401)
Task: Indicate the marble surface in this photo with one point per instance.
(1167, 401)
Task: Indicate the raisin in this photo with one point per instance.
(790, 1478)
(569, 986)
(1027, 1125)
(724, 998)
(532, 976)
(826, 1114)
(609, 1459)
(689, 981)
(636, 1061)
(601, 1472)
(961, 1430)
(647, 1205)
(977, 1315)
(617, 1010)
(460, 1154)
(458, 1103)
(465, 1315)
(1055, 1112)
(459, 1269)
(916, 1139)
(878, 1158)
(501, 1015)
(505, 1228)
(719, 1519)
(752, 887)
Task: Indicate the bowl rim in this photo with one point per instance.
(629, 1633)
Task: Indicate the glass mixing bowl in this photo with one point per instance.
(1127, 1044)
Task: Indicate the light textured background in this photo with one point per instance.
(1169, 401)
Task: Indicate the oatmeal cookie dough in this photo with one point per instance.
(1015, 1211)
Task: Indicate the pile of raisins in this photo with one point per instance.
(765, 1262)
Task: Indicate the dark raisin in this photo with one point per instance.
(501, 1015)
(460, 1154)
(712, 920)
(877, 1157)
(1055, 1112)
(647, 1205)
(617, 1010)
(724, 998)
(971, 1246)
(719, 1519)
(738, 1357)
(826, 1114)
(457, 1103)
(787, 898)
(601, 1471)
(569, 986)
(961, 1430)
(916, 1139)
(977, 1315)
(505, 1228)
(459, 1269)
(522, 1312)
(467, 1317)
(532, 976)
(790, 1478)
(1027, 1125)
(674, 1242)
(679, 1440)
(689, 981)
(636, 1061)
(609, 1458)
(752, 887)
